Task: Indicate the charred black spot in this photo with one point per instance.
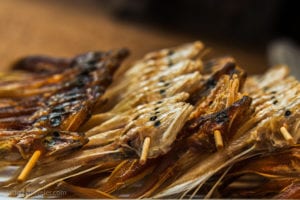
(153, 118)
(92, 63)
(233, 71)
(56, 134)
(95, 58)
(55, 119)
(59, 109)
(157, 123)
(89, 67)
(54, 114)
(81, 81)
(287, 113)
(221, 117)
(211, 82)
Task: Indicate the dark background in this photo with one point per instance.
(253, 22)
(244, 29)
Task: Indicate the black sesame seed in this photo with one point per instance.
(287, 113)
(171, 52)
(157, 112)
(166, 84)
(162, 91)
(159, 102)
(273, 92)
(157, 123)
(272, 97)
(275, 102)
(153, 118)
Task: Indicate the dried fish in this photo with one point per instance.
(15, 145)
(172, 125)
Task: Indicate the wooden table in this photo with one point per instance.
(62, 29)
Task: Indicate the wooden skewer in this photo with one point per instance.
(30, 164)
(218, 139)
(145, 150)
(287, 136)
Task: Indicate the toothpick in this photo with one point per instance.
(145, 150)
(218, 139)
(287, 136)
(28, 167)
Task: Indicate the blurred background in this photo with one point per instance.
(258, 33)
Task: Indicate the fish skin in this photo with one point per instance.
(27, 125)
(18, 145)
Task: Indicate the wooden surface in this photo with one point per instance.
(62, 29)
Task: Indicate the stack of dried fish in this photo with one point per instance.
(44, 105)
(173, 125)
